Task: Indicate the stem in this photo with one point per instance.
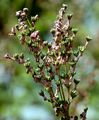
(68, 95)
(62, 90)
(28, 22)
(60, 93)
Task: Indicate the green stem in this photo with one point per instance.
(62, 90)
(60, 93)
(28, 22)
(68, 95)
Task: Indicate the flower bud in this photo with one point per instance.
(76, 53)
(49, 45)
(13, 31)
(52, 31)
(18, 13)
(34, 35)
(73, 94)
(23, 15)
(65, 6)
(41, 93)
(34, 19)
(45, 42)
(88, 38)
(75, 30)
(81, 48)
(21, 55)
(16, 56)
(69, 16)
(76, 81)
(7, 56)
(25, 10)
(27, 64)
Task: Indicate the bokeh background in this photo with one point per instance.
(19, 99)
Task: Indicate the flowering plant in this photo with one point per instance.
(55, 62)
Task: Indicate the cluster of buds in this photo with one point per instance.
(19, 58)
(55, 62)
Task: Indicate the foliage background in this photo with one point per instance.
(19, 99)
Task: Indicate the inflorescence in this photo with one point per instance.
(55, 61)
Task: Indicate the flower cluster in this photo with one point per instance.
(55, 61)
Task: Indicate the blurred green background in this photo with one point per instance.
(19, 99)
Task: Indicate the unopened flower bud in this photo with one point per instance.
(13, 31)
(16, 56)
(49, 45)
(45, 42)
(17, 26)
(21, 55)
(25, 26)
(88, 38)
(34, 35)
(25, 10)
(65, 6)
(7, 56)
(18, 13)
(76, 81)
(52, 31)
(23, 14)
(74, 30)
(73, 94)
(27, 64)
(34, 19)
(81, 48)
(69, 16)
(41, 93)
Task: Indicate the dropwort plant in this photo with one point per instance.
(55, 61)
